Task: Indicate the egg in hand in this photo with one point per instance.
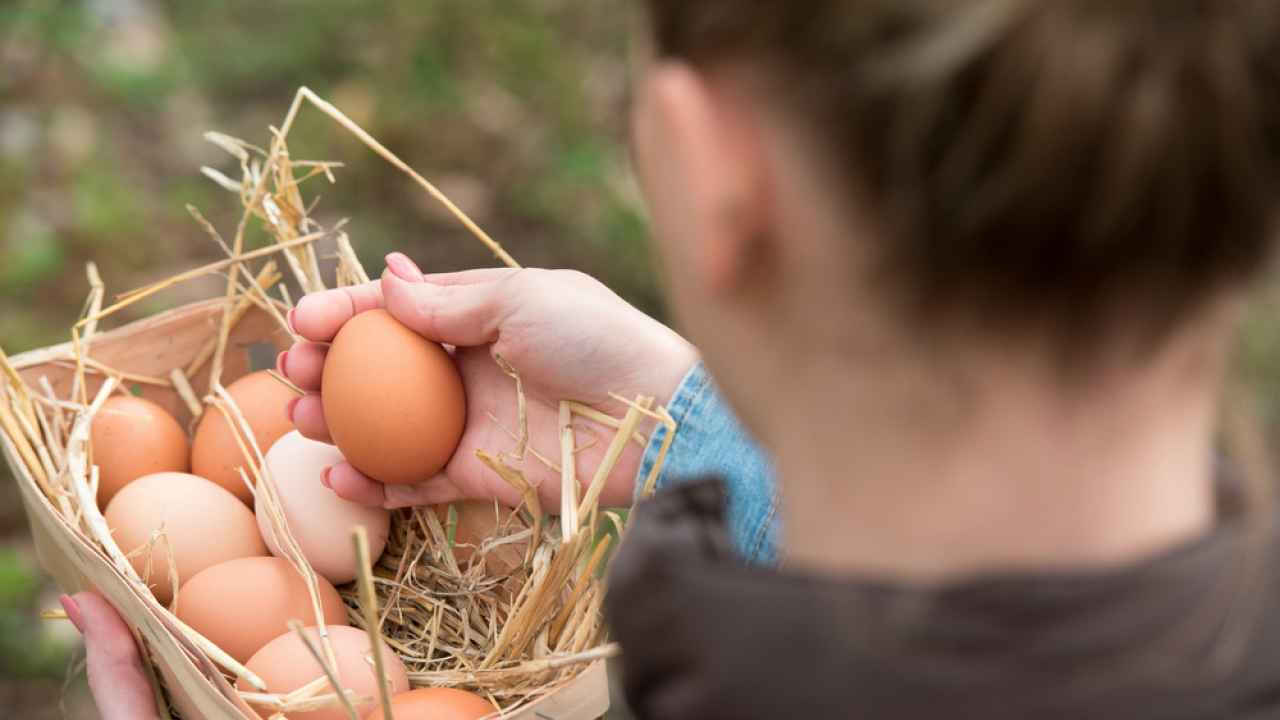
(393, 400)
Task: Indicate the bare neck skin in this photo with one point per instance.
(895, 468)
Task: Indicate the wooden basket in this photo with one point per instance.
(152, 348)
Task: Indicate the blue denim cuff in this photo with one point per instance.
(710, 440)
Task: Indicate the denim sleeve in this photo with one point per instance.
(711, 441)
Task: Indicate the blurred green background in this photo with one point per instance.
(516, 108)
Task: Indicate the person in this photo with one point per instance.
(970, 273)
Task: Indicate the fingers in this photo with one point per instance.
(435, 491)
(406, 269)
(307, 414)
(303, 364)
(319, 316)
(471, 277)
(120, 687)
(351, 485)
(464, 314)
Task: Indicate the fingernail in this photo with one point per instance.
(292, 404)
(404, 268)
(293, 327)
(73, 612)
(282, 363)
(324, 477)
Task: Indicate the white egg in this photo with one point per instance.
(318, 519)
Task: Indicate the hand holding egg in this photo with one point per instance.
(567, 334)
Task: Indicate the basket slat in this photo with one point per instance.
(156, 345)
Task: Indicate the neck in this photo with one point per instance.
(919, 476)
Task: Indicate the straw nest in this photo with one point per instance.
(512, 619)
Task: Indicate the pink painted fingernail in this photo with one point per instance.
(73, 612)
(404, 268)
(293, 326)
(292, 405)
(282, 363)
(324, 477)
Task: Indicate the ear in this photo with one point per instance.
(701, 162)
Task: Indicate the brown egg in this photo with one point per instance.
(319, 520)
(265, 593)
(477, 521)
(437, 704)
(393, 400)
(133, 437)
(203, 524)
(285, 665)
(216, 455)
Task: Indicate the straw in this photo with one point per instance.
(513, 616)
(369, 603)
(364, 137)
(568, 474)
(267, 277)
(330, 674)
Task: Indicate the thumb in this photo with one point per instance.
(463, 315)
(120, 687)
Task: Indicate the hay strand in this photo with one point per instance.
(512, 615)
(568, 474)
(327, 666)
(364, 137)
(369, 604)
(267, 278)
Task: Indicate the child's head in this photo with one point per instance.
(1074, 168)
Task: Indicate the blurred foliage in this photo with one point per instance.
(1259, 360)
(26, 649)
(516, 108)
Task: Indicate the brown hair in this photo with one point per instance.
(1031, 160)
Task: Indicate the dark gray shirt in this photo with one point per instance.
(1192, 633)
